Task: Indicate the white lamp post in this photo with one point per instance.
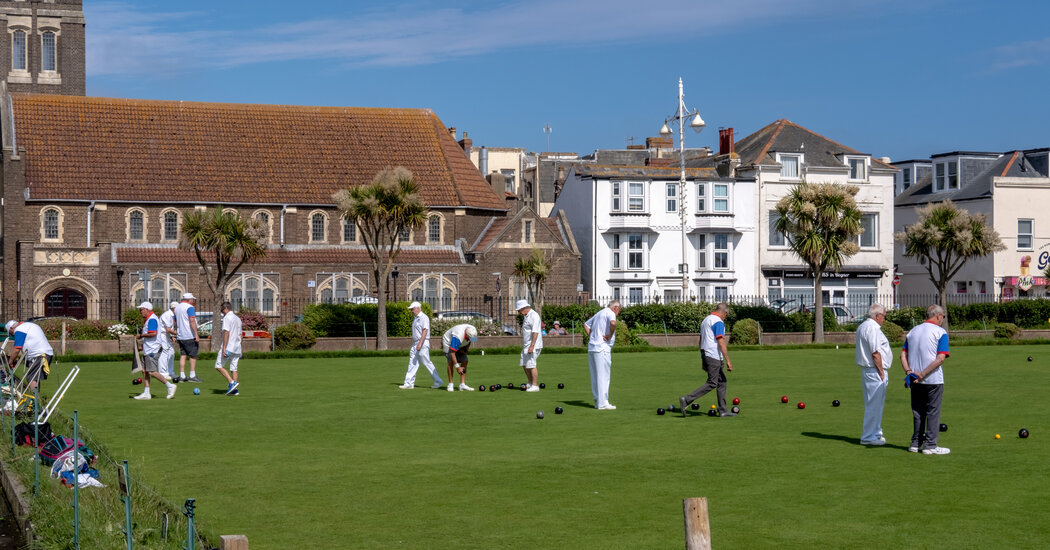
(697, 124)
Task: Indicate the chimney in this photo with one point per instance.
(726, 146)
(452, 130)
(465, 143)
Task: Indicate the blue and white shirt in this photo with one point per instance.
(183, 312)
(32, 341)
(711, 330)
(924, 343)
(151, 335)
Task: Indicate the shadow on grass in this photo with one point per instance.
(578, 403)
(850, 440)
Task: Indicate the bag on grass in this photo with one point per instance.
(58, 446)
(24, 433)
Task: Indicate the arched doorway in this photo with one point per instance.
(65, 302)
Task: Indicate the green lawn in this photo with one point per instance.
(328, 453)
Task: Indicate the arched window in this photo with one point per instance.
(48, 52)
(436, 289)
(136, 224)
(349, 231)
(51, 218)
(434, 229)
(263, 218)
(18, 51)
(405, 235)
(171, 225)
(342, 288)
(318, 226)
(164, 288)
(256, 291)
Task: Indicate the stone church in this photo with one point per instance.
(95, 191)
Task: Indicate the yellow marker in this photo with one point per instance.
(997, 436)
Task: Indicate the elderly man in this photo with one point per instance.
(167, 344)
(230, 352)
(456, 343)
(419, 353)
(925, 349)
(601, 333)
(713, 351)
(874, 358)
(151, 337)
(186, 334)
(532, 343)
(31, 342)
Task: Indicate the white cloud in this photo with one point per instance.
(1021, 54)
(124, 39)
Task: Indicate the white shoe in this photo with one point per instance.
(607, 407)
(406, 386)
(450, 386)
(936, 451)
(144, 395)
(171, 390)
(532, 388)
(437, 385)
(464, 387)
(913, 449)
(874, 442)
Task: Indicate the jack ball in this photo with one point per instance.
(196, 391)
(660, 411)
(695, 406)
(736, 400)
(735, 410)
(801, 405)
(784, 399)
(561, 386)
(835, 403)
(558, 410)
(944, 427)
(997, 436)
(539, 414)
(1023, 433)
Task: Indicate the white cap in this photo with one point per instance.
(146, 305)
(173, 305)
(10, 325)
(472, 333)
(188, 296)
(414, 305)
(557, 323)
(521, 304)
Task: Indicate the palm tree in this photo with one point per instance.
(821, 222)
(226, 240)
(534, 271)
(946, 237)
(382, 211)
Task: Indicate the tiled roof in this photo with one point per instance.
(491, 232)
(106, 149)
(1010, 165)
(784, 136)
(654, 172)
(304, 256)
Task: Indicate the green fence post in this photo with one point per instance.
(190, 534)
(125, 495)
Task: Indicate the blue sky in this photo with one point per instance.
(903, 79)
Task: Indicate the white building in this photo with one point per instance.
(782, 155)
(629, 231)
(1013, 190)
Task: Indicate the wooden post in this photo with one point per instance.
(63, 337)
(233, 542)
(697, 526)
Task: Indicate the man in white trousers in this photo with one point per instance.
(874, 358)
(167, 345)
(230, 352)
(532, 343)
(420, 351)
(601, 330)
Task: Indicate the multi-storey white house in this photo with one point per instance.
(1012, 189)
(629, 229)
(782, 155)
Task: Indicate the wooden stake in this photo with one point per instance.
(233, 542)
(697, 526)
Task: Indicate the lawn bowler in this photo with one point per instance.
(167, 345)
(31, 342)
(874, 357)
(601, 333)
(456, 343)
(419, 353)
(151, 337)
(188, 337)
(230, 352)
(925, 349)
(532, 344)
(713, 351)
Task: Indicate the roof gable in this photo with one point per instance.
(91, 148)
(784, 136)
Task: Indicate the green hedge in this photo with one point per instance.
(356, 320)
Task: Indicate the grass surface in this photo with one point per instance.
(328, 453)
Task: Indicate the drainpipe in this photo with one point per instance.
(91, 208)
(284, 208)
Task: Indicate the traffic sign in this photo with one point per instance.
(896, 280)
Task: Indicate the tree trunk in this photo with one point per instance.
(216, 321)
(942, 295)
(818, 307)
(381, 317)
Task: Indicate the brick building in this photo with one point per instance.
(95, 191)
(44, 48)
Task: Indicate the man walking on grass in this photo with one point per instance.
(230, 353)
(925, 349)
(713, 350)
(874, 357)
(419, 353)
(151, 343)
(532, 344)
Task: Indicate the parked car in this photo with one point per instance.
(472, 316)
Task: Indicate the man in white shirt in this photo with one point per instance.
(30, 341)
(167, 347)
(186, 334)
(874, 357)
(419, 353)
(925, 349)
(151, 337)
(532, 343)
(601, 332)
(713, 351)
(456, 342)
(230, 353)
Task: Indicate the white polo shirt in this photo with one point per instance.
(167, 320)
(419, 324)
(529, 326)
(599, 325)
(232, 323)
(870, 339)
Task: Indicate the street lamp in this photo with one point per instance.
(394, 275)
(697, 124)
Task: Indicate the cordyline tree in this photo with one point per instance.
(223, 242)
(383, 209)
(821, 222)
(946, 237)
(534, 271)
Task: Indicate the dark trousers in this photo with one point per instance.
(716, 380)
(926, 414)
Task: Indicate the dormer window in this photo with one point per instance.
(858, 168)
(790, 166)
